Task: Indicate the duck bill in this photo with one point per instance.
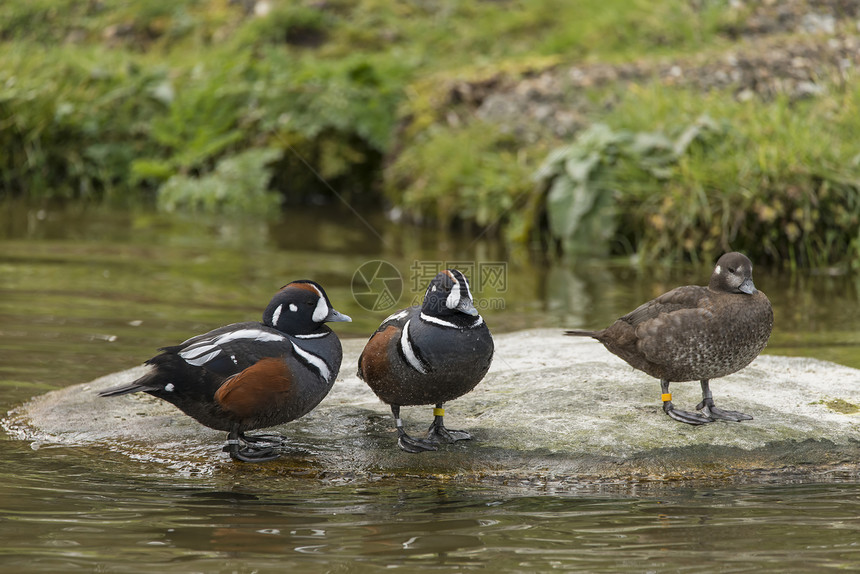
(466, 306)
(337, 317)
(747, 287)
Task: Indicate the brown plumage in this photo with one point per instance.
(263, 387)
(374, 363)
(695, 333)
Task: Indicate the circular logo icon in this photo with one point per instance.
(377, 285)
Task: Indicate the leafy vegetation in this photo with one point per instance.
(764, 179)
(238, 184)
(778, 179)
(110, 99)
(236, 106)
(472, 175)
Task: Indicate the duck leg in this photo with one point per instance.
(682, 416)
(247, 453)
(707, 407)
(406, 442)
(438, 431)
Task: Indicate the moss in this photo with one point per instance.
(841, 406)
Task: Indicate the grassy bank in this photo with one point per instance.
(668, 174)
(233, 106)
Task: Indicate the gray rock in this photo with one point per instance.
(552, 409)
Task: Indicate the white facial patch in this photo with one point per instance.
(276, 315)
(321, 311)
(169, 387)
(718, 270)
(468, 290)
(409, 352)
(313, 360)
(454, 296)
(293, 307)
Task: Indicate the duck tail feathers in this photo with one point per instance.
(122, 390)
(144, 383)
(580, 333)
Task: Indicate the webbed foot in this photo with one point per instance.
(685, 416)
(249, 453)
(415, 445)
(255, 449)
(707, 407)
(406, 442)
(439, 433)
(681, 416)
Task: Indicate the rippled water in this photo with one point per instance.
(88, 292)
(72, 511)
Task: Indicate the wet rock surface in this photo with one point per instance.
(552, 408)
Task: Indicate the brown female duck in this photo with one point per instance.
(695, 333)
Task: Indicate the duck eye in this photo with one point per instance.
(732, 269)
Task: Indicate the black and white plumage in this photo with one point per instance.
(429, 354)
(252, 375)
(695, 333)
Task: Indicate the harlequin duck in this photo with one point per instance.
(429, 355)
(252, 375)
(695, 333)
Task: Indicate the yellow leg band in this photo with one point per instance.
(438, 412)
(666, 397)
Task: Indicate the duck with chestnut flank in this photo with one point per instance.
(429, 354)
(252, 375)
(695, 333)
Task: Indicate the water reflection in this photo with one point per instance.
(98, 519)
(85, 292)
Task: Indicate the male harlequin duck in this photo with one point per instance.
(252, 375)
(695, 333)
(429, 355)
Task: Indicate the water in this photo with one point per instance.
(75, 511)
(85, 292)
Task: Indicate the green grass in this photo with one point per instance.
(143, 101)
(112, 98)
(679, 175)
(782, 181)
(474, 174)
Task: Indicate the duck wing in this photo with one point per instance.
(228, 350)
(686, 298)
